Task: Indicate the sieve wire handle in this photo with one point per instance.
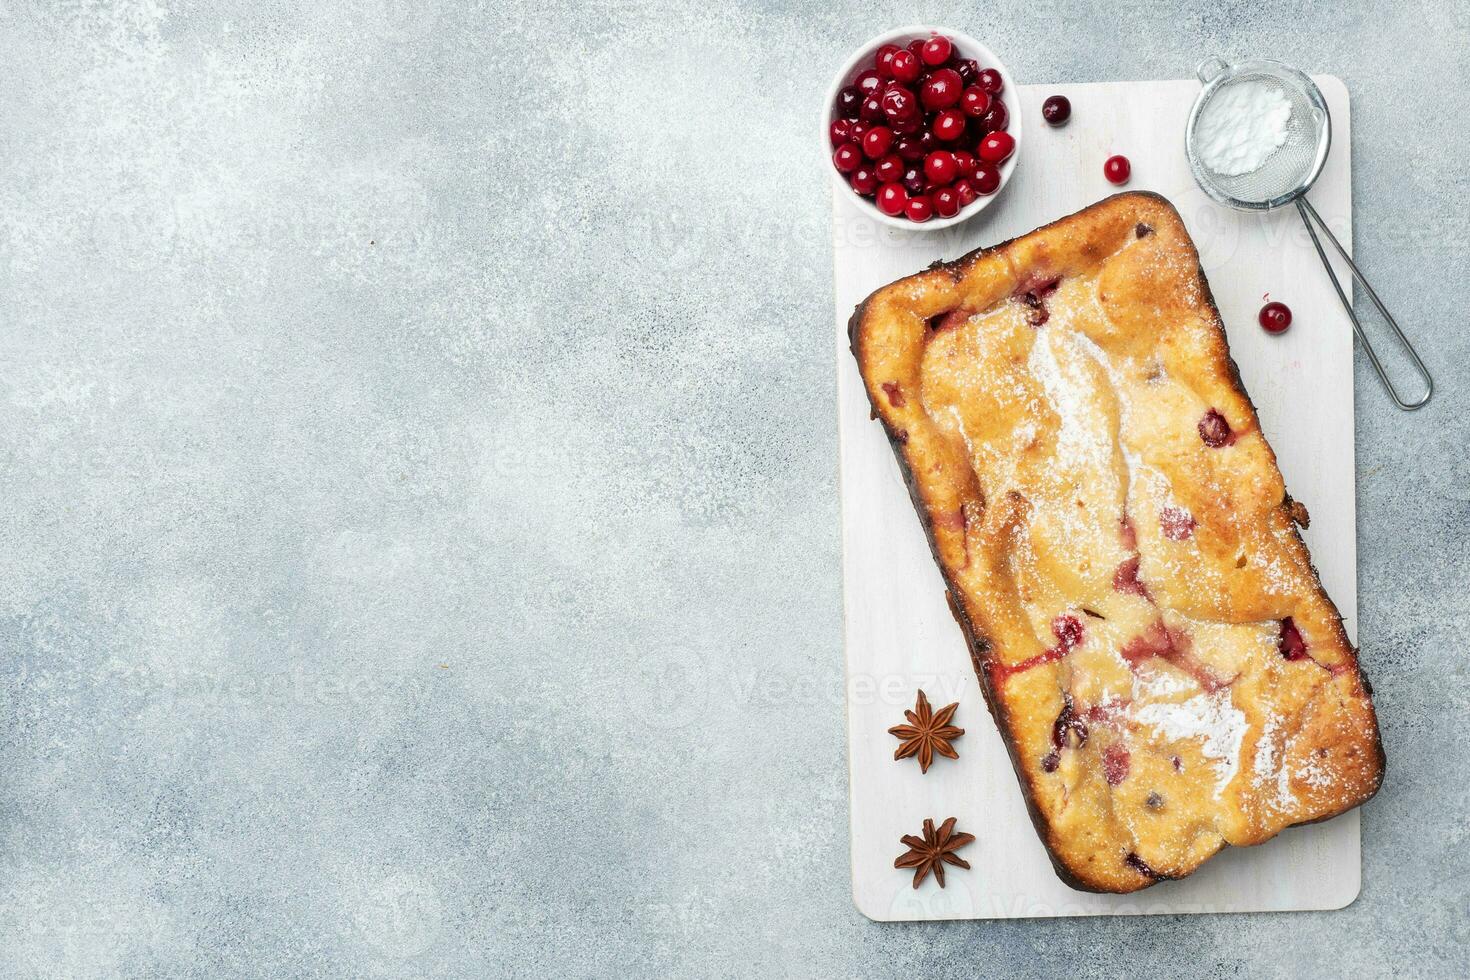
(1305, 209)
(1206, 70)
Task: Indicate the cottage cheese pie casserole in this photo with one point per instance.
(1118, 546)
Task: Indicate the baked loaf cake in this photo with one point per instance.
(1118, 546)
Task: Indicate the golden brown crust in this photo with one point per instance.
(1064, 407)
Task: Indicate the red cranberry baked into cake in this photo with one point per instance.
(1118, 546)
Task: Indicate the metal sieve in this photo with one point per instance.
(1285, 177)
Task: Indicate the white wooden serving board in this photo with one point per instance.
(899, 634)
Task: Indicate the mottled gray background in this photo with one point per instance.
(418, 531)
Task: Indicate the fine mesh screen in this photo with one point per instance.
(1293, 166)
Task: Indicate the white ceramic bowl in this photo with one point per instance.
(863, 58)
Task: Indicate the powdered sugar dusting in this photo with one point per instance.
(1213, 719)
(1155, 683)
(1080, 439)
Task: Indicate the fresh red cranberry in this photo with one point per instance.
(864, 180)
(1275, 317)
(909, 125)
(914, 180)
(849, 101)
(915, 47)
(996, 147)
(871, 109)
(1056, 110)
(891, 199)
(965, 162)
(965, 191)
(1117, 169)
(941, 89)
(883, 60)
(996, 118)
(990, 80)
(876, 141)
(1176, 523)
(847, 158)
(899, 103)
(941, 167)
(869, 82)
(949, 125)
(1068, 631)
(905, 67)
(975, 101)
(986, 179)
(1115, 763)
(936, 50)
(841, 132)
(1291, 643)
(909, 148)
(859, 130)
(969, 70)
(1214, 430)
(889, 170)
(946, 202)
(919, 209)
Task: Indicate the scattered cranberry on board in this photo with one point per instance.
(1275, 317)
(921, 129)
(1117, 169)
(1056, 110)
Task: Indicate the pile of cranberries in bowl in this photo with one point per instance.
(921, 131)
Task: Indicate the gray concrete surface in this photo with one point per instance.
(418, 549)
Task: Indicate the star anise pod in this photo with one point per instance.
(933, 851)
(927, 732)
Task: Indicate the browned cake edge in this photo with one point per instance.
(976, 642)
